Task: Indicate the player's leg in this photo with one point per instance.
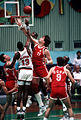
(43, 88)
(65, 111)
(19, 96)
(15, 103)
(35, 87)
(69, 107)
(50, 106)
(27, 88)
(8, 102)
(2, 112)
(30, 94)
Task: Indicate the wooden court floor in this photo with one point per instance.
(56, 113)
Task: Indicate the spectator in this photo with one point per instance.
(77, 60)
(77, 77)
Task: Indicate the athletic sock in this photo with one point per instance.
(39, 99)
(24, 108)
(18, 108)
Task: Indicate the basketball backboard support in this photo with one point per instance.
(10, 8)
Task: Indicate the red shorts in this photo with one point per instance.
(40, 71)
(10, 84)
(58, 92)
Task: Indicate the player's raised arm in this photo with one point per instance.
(32, 40)
(16, 57)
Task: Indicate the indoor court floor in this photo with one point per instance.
(56, 113)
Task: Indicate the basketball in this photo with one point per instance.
(27, 10)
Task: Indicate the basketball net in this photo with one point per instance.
(20, 20)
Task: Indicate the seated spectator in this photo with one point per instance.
(77, 77)
(77, 60)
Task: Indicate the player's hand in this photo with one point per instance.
(26, 22)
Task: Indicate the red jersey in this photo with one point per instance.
(59, 76)
(11, 77)
(39, 66)
(58, 85)
(38, 55)
(11, 74)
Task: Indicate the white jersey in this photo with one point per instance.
(25, 59)
(77, 61)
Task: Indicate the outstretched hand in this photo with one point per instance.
(18, 21)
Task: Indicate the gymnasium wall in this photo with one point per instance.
(54, 55)
(65, 28)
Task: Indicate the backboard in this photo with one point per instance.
(10, 8)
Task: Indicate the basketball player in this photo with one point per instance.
(11, 79)
(41, 83)
(66, 59)
(40, 51)
(24, 77)
(2, 86)
(58, 87)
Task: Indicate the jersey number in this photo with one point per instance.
(58, 77)
(25, 62)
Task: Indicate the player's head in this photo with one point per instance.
(60, 61)
(26, 22)
(20, 46)
(34, 35)
(4, 58)
(47, 40)
(66, 59)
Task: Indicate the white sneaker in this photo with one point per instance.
(29, 102)
(45, 118)
(42, 111)
(71, 118)
(64, 118)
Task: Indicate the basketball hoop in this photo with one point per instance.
(19, 19)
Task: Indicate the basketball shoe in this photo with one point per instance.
(42, 111)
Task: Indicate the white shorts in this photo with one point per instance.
(25, 75)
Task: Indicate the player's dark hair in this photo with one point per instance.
(60, 61)
(20, 46)
(2, 58)
(47, 41)
(35, 35)
(66, 59)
